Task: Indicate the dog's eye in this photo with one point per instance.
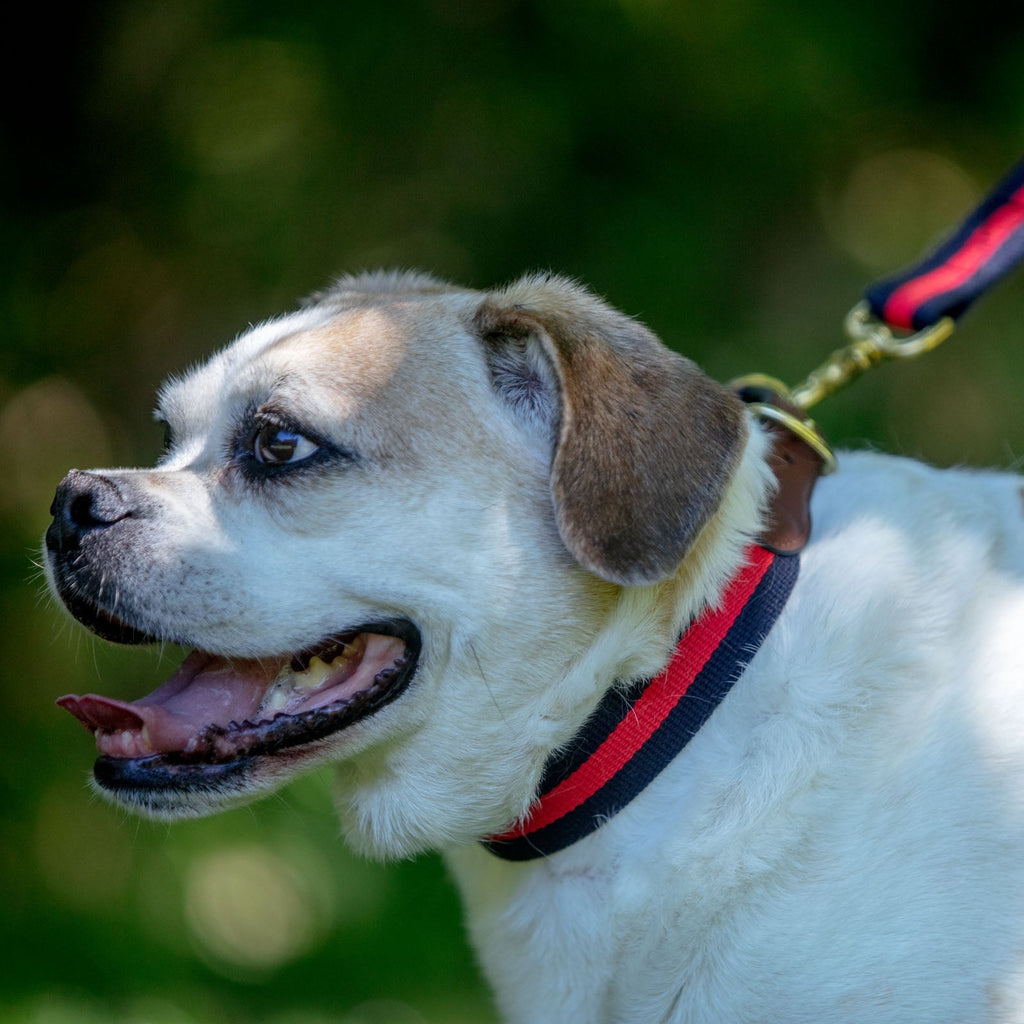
(274, 445)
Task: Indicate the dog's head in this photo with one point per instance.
(390, 524)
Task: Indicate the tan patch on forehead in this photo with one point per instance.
(394, 372)
(364, 347)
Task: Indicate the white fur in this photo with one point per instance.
(844, 839)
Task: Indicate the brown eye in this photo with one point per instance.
(274, 445)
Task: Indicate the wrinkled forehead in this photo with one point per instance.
(340, 359)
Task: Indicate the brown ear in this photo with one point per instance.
(644, 442)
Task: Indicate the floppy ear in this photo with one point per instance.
(643, 442)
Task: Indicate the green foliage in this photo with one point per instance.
(732, 171)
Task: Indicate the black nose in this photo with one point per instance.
(84, 502)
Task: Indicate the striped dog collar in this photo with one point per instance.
(637, 730)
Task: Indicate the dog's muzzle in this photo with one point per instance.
(217, 716)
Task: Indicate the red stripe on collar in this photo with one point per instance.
(636, 731)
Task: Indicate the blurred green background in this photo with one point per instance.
(731, 171)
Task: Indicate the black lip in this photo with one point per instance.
(104, 624)
(71, 580)
(225, 754)
(160, 773)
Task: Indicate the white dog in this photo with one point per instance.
(445, 538)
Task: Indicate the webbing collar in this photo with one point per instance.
(635, 732)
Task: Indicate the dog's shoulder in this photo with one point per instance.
(896, 515)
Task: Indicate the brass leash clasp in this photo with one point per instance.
(871, 342)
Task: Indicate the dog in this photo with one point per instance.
(431, 534)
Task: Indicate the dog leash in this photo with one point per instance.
(928, 298)
(986, 246)
(636, 731)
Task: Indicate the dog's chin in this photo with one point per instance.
(221, 730)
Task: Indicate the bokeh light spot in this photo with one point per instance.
(253, 908)
(63, 1009)
(896, 204)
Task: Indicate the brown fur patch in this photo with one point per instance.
(646, 442)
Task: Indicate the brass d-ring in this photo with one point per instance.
(804, 429)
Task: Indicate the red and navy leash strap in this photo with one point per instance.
(637, 730)
(986, 246)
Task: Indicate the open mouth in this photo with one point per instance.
(215, 712)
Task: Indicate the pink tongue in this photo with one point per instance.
(102, 712)
(205, 689)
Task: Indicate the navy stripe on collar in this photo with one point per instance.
(637, 730)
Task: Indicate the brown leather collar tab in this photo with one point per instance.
(796, 466)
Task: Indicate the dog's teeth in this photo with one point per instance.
(277, 697)
(317, 672)
(298, 678)
(289, 683)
